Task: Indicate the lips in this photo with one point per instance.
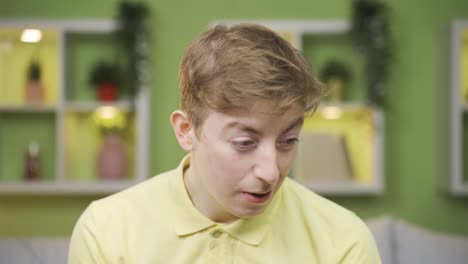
(257, 197)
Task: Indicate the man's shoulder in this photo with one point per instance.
(320, 210)
(342, 235)
(110, 222)
(150, 192)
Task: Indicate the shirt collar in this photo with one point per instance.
(188, 220)
(253, 230)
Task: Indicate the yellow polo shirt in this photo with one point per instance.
(156, 222)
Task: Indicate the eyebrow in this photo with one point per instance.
(298, 122)
(252, 130)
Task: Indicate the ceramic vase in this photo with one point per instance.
(112, 158)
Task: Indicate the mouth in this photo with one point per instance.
(258, 197)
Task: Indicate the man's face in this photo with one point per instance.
(240, 160)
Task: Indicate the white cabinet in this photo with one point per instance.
(341, 146)
(458, 181)
(62, 124)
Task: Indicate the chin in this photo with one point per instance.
(250, 212)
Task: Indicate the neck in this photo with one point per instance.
(204, 201)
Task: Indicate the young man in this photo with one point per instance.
(244, 93)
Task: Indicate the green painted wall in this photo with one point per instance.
(415, 131)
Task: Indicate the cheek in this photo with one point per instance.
(225, 167)
(287, 161)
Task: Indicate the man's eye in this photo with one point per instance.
(244, 144)
(289, 142)
(292, 141)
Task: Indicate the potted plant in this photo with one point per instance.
(336, 76)
(105, 77)
(34, 92)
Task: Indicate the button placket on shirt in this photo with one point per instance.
(215, 238)
(216, 233)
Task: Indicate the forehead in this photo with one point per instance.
(259, 117)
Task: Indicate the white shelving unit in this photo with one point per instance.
(295, 31)
(457, 183)
(61, 184)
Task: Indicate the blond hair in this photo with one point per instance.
(231, 68)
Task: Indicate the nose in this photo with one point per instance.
(266, 167)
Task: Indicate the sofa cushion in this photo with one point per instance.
(383, 230)
(33, 250)
(419, 245)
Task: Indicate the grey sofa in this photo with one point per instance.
(33, 250)
(398, 242)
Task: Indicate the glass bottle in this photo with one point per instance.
(32, 162)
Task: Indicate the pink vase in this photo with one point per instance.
(112, 159)
(34, 93)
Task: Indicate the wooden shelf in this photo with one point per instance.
(345, 188)
(27, 108)
(91, 106)
(64, 188)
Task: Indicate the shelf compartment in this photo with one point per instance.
(15, 57)
(83, 138)
(323, 48)
(340, 150)
(17, 130)
(64, 188)
(83, 51)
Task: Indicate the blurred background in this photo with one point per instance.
(410, 165)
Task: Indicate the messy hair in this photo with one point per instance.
(231, 68)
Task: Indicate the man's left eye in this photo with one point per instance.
(245, 143)
(289, 141)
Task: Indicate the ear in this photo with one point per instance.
(183, 129)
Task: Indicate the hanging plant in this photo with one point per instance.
(132, 35)
(371, 36)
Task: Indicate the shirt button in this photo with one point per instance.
(216, 233)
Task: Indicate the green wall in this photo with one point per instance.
(415, 129)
